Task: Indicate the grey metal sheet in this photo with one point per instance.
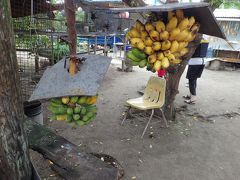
(57, 82)
(163, 8)
(200, 11)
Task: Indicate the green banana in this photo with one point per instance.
(138, 54)
(92, 109)
(143, 63)
(56, 101)
(58, 110)
(132, 57)
(149, 67)
(134, 63)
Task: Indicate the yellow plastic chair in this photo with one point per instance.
(153, 98)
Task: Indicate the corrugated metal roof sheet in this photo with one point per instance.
(227, 13)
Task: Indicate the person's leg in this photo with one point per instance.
(192, 89)
(192, 86)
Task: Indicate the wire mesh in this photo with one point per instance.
(33, 25)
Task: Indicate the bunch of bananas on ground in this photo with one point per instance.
(161, 43)
(74, 110)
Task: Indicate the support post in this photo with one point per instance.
(72, 35)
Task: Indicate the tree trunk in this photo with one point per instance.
(14, 156)
(173, 79)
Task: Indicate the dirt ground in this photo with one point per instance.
(203, 144)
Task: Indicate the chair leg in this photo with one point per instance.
(164, 118)
(147, 123)
(125, 115)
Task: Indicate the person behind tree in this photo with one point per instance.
(195, 69)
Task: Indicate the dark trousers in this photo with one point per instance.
(193, 86)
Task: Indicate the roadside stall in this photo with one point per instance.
(166, 41)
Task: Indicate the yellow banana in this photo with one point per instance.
(177, 54)
(179, 14)
(156, 46)
(160, 26)
(154, 35)
(135, 41)
(139, 25)
(148, 41)
(166, 53)
(65, 100)
(141, 45)
(195, 28)
(182, 35)
(134, 33)
(184, 51)
(61, 117)
(174, 33)
(164, 35)
(172, 24)
(92, 100)
(182, 45)
(165, 63)
(152, 58)
(160, 56)
(143, 34)
(192, 38)
(174, 46)
(189, 37)
(166, 45)
(149, 27)
(157, 65)
(183, 24)
(148, 50)
(176, 61)
(191, 22)
(171, 14)
(171, 57)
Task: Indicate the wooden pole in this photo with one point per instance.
(72, 35)
(14, 156)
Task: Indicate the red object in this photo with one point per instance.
(161, 73)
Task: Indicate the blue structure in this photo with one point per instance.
(101, 40)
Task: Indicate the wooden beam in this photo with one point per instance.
(68, 160)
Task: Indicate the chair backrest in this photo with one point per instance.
(155, 90)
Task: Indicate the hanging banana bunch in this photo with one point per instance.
(159, 44)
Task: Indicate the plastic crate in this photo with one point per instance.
(201, 50)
